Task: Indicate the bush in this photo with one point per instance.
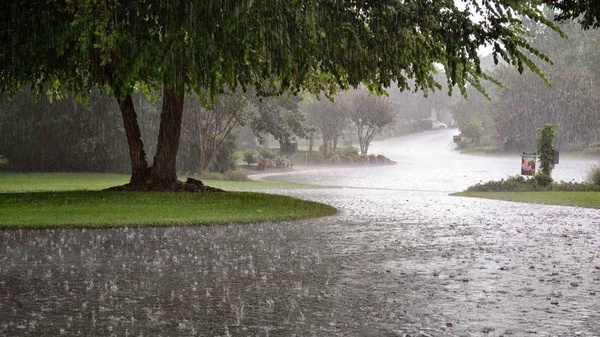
(267, 153)
(317, 158)
(473, 129)
(347, 151)
(511, 184)
(541, 182)
(236, 175)
(251, 157)
(593, 175)
(226, 156)
(543, 179)
(282, 162)
(264, 163)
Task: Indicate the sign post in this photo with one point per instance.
(528, 161)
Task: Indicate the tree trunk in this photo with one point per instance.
(164, 174)
(139, 165)
(325, 145)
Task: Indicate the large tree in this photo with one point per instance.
(182, 46)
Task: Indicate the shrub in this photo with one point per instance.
(317, 158)
(335, 158)
(593, 175)
(264, 163)
(251, 157)
(541, 182)
(473, 129)
(511, 184)
(348, 160)
(267, 153)
(282, 162)
(543, 179)
(236, 175)
(226, 156)
(347, 151)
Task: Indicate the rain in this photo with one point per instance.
(402, 256)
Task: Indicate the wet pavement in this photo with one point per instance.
(402, 258)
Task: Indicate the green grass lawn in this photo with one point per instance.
(563, 198)
(33, 182)
(76, 200)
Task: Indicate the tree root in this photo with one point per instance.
(191, 185)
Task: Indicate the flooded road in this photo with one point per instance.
(402, 258)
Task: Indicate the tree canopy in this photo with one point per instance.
(274, 46)
(586, 12)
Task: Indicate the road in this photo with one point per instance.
(402, 258)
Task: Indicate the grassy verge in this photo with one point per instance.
(109, 209)
(75, 200)
(562, 198)
(37, 182)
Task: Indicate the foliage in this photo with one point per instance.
(594, 175)
(545, 147)
(370, 114)
(347, 151)
(205, 46)
(542, 179)
(267, 153)
(264, 163)
(511, 184)
(231, 175)
(226, 156)
(540, 182)
(69, 136)
(473, 129)
(282, 162)
(527, 103)
(251, 157)
(63, 135)
(346, 156)
(587, 13)
(279, 116)
(207, 130)
(328, 116)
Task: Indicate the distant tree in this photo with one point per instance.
(330, 117)
(370, 115)
(279, 116)
(44, 135)
(572, 101)
(203, 46)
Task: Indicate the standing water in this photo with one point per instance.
(402, 258)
